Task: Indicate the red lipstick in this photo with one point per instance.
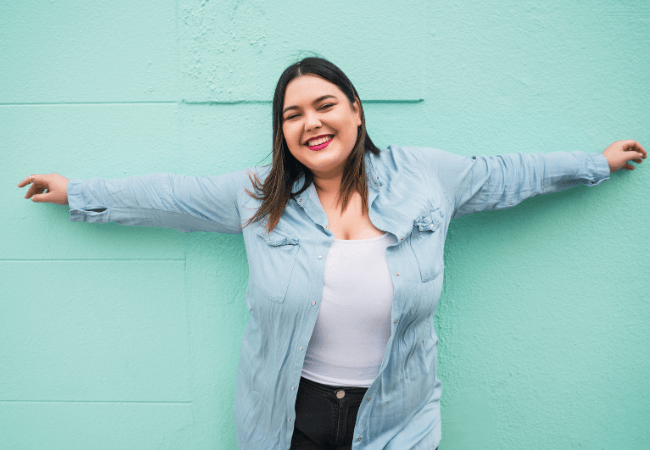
(321, 146)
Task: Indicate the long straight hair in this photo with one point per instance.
(275, 192)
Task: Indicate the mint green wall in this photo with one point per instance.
(117, 337)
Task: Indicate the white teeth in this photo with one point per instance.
(316, 142)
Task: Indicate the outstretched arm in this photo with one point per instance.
(160, 200)
(480, 183)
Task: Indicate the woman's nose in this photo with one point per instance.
(312, 121)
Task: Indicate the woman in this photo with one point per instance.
(345, 251)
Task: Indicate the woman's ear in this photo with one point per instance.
(357, 110)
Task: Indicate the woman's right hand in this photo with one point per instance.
(52, 188)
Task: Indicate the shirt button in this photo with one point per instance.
(397, 274)
(300, 348)
(320, 256)
(368, 399)
(288, 419)
(313, 303)
(395, 321)
(401, 239)
(327, 226)
(293, 388)
(358, 439)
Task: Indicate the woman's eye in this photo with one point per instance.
(291, 117)
(327, 105)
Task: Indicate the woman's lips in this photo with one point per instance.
(321, 146)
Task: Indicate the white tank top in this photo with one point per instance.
(353, 324)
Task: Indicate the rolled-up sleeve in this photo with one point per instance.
(209, 203)
(479, 183)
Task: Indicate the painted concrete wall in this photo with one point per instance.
(117, 337)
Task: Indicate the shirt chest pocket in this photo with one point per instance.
(428, 242)
(273, 263)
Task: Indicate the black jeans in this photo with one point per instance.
(325, 416)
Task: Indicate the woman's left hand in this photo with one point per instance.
(620, 152)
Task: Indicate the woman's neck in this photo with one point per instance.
(328, 187)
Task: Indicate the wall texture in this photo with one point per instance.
(117, 337)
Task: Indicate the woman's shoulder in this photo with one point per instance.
(417, 152)
(425, 158)
(248, 175)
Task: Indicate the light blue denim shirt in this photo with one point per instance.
(414, 192)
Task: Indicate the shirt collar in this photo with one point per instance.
(372, 177)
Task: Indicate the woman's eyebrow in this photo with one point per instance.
(322, 97)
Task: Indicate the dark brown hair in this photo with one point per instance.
(285, 169)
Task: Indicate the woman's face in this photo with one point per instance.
(316, 111)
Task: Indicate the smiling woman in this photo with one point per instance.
(314, 100)
(345, 253)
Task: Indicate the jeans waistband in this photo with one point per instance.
(330, 389)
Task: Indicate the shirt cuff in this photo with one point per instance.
(76, 201)
(598, 169)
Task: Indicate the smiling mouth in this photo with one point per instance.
(324, 142)
(320, 141)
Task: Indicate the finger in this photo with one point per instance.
(641, 150)
(41, 198)
(35, 189)
(631, 144)
(35, 180)
(631, 154)
(32, 190)
(628, 167)
(26, 181)
(636, 158)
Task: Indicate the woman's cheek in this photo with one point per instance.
(291, 137)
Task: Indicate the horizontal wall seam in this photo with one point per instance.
(91, 103)
(93, 401)
(87, 260)
(234, 102)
